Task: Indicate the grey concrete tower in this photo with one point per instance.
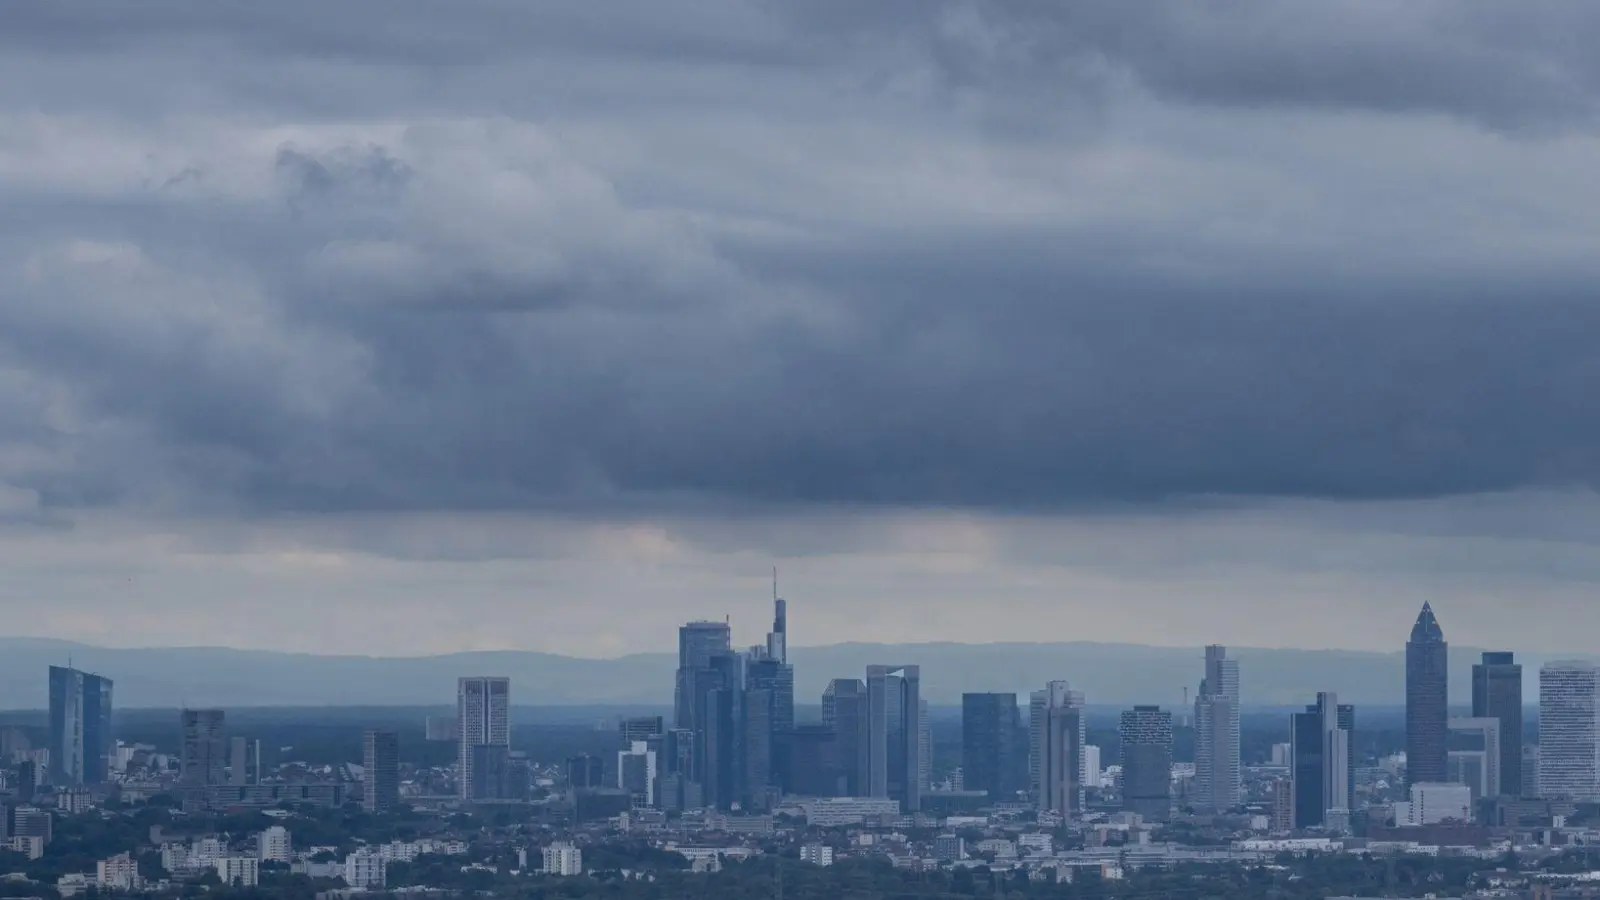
(1427, 701)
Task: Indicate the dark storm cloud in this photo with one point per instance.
(741, 254)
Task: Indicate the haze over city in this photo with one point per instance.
(810, 450)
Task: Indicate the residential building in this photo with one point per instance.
(817, 854)
(366, 869)
(119, 873)
(1431, 804)
(203, 759)
(1093, 769)
(1569, 731)
(238, 871)
(81, 744)
(1283, 806)
(1322, 767)
(1427, 701)
(483, 707)
(273, 845)
(1217, 776)
(990, 725)
(381, 770)
(1497, 694)
(562, 858)
(1146, 734)
(949, 847)
(244, 762)
(894, 734)
(1060, 738)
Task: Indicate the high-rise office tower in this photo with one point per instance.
(1146, 734)
(203, 760)
(638, 773)
(844, 709)
(718, 713)
(1530, 771)
(1060, 735)
(894, 734)
(483, 705)
(1321, 765)
(924, 750)
(244, 761)
(585, 771)
(80, 727)
(1217, 778)
(758, 748)
(1427, 701)
(1474, 747)
(769, 720)
(989, 726)
(697, 643)
(1569, 731)
(380, 757)
(1497, 694)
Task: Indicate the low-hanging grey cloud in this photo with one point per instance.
(1012, 256)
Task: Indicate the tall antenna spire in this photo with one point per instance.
(778, 637)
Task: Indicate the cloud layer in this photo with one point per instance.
(559, 311)
(1002, 256)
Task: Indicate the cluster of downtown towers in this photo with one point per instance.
(735, 743)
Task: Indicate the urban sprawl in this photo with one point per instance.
(733, 794)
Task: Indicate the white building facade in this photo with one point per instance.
(1569, 731)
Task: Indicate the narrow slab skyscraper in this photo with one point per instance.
(1427, 701)
(1216, 722)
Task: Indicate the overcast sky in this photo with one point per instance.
(391, 326)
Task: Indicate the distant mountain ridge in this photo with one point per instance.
(1110, 674)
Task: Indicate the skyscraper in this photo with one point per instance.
(1497, 694)
(203, 759)
(844, 709)
(244, 761)
(697, 643)
(1569, 731)
(1427, 701)
(1217, 779)
(1322, 766)
(1060, 736)
(718, 713)
(894, 734)
(380, 759)
(483, 705)
(80, 727)
(989, 724)
(1146, 734)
